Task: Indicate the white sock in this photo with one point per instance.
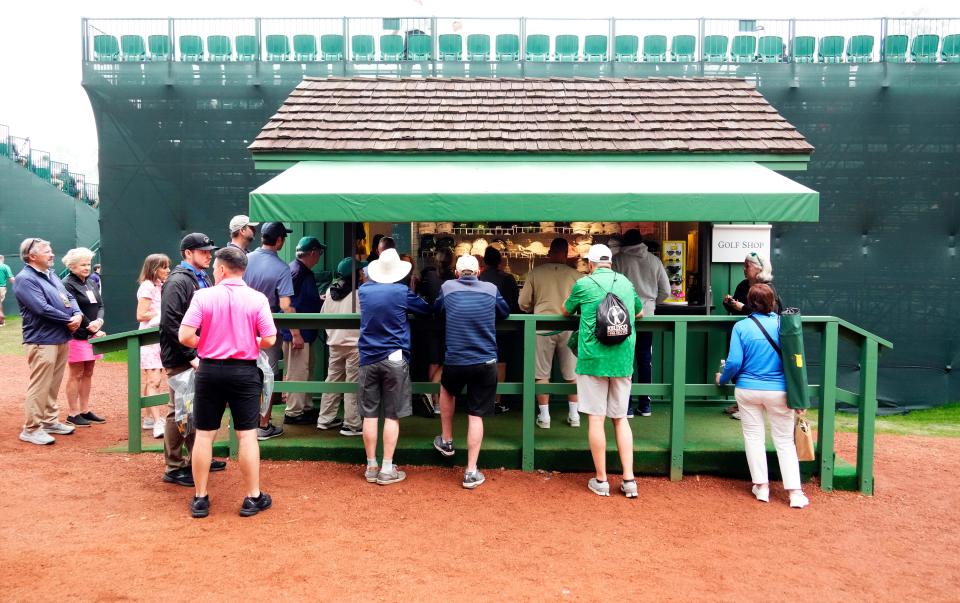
(371, 462)
(387, 465)
(574, 409)
(544, 411)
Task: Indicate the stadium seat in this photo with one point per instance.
(860, 49)
(831, 49)
(105, 48)
(595, 48)
(654, 49)
(684, 48)
(566, 48)
(191, 48)
(508, 47)
(133, 48)
(626, 48)
(361, 47)
(923, 48)
(538, 47)
(743, 49)
(950, 50)
(304, 47)
(478, 47)
(770, 49)
(715, 49)
(331, 47)
(278, 47)
(219, 48)
(159, 46)
(419, 47)
(391, 47)
(895, 49)
(246, 48)
(450, 47)
(803, 49)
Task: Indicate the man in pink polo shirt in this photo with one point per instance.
(234, 322)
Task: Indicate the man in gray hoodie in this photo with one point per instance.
(648, 276)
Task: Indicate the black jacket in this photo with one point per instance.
(740, 295)
(175, 298)
(90, 311)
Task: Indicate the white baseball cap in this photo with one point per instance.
(238, 222)
(599, 253)
(467, 263)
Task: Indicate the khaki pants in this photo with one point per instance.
(298, 367)
(344, 365)
(173, 440)
(47, 363)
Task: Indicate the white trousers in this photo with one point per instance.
(753, 403)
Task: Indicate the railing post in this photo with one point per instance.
(677, 400)
(529, 392)
(828, 405)
(134, 443)
(869, 353)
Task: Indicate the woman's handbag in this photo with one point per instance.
(803, 438)
(792, 354)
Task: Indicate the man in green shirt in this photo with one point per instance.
(604, 372)
(6, 280)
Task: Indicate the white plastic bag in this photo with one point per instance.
(263, 363)
(183, 387)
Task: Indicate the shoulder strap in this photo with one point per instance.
(765, 334)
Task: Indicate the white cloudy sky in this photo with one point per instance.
(40, 60)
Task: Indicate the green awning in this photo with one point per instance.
(332, 191)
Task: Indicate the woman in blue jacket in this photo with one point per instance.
(761, 388)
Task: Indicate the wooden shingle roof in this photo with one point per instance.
(506, 115)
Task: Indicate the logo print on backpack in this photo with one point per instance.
(616, 321)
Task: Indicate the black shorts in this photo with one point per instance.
(384, 387)
(234, 383)
(480, 381)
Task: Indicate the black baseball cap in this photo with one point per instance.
(197, 240)
(275, 229)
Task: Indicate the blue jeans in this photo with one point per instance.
(643, 367)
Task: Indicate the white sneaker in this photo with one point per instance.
(37, 436)
(158, 428)
(735, 416)
(762, 492)
(148, 423)
(543, 422)
(798, 499)
(59, 428)
(573, 420)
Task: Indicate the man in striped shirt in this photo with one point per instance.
(470, 361)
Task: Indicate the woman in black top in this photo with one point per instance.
(80, 357)
(507, 286)
(756, 269)
(428, 287)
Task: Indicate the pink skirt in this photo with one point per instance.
(80, 350)
(150, 357)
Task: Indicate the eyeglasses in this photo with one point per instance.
(759, 261)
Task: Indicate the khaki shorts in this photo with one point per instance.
(550, 345)
(3, 294)
(603, 396)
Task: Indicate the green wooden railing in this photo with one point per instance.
(679, 386)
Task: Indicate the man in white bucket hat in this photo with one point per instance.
(384, 378)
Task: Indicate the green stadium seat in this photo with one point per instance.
(595, 48)
(419, 47)
(950, 50)
(450, 47)
(331, 47)
(538, 47)
(159, 46)
(133, 48)
(743, 49)
(715, 49)
(219, 48)
(654, 49)
(770, 49)
(626, 48)
(361, 47)
(191, 48)
(304, 47)
(860, 49)
(923, 48)
(566, 48)
(895, 48)
(247, 48)
(803, 49)
(478, 47)
(278, 47)
(391, 47)
(684, 48)
(106, 48)
(508, 47)
(831, 49)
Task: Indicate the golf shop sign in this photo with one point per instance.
(732, 242)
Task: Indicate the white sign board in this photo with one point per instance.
(732, 242)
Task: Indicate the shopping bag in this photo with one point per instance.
(183, 388)
(263, 363)
(803, 438)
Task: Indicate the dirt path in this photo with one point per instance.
(79, 523)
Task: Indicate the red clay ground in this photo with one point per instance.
(75, 522)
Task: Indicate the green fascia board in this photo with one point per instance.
(782, 162)
(323, 191)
